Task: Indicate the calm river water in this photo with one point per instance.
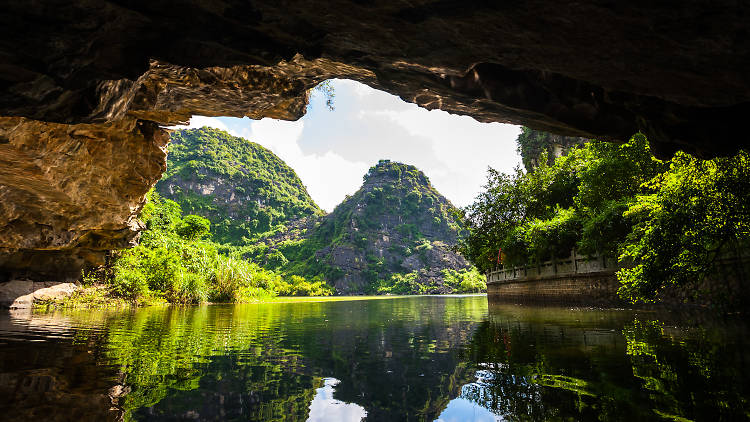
(450, 358)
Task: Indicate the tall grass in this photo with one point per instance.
(236, 280)
(182, 268)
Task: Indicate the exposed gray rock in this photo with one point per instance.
(396, 223)
(21, 294)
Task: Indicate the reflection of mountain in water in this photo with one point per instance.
(391, 357)
(395, 359)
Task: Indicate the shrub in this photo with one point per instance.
(276, 259)
(173, 263)
(401, 284)
(465, 281)
(193, 227)
(129, 283)
(553, 237)
(188, 287)
(228, 278)
(299, 286)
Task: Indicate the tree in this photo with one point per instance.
(611, 177)
(329, 93)
(194, 227)
(669, 222)
(577, 201)
(493, 215)
(695, 213)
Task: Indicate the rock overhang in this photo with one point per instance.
(86, 85)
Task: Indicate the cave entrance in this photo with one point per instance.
(364, 187)
(349, 127)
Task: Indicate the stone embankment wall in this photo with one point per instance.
(577, 279)
(591, 280)
(583, 289)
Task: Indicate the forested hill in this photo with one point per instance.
(394, 235)
(242, 188)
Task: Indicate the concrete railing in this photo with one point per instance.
(574, 264)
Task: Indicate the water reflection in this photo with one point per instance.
(568, 364)
(461, 409)
(325, 408)
(427, 358)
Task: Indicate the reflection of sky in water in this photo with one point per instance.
(325, 408)
(462, 410)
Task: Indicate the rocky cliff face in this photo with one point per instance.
(534, 145)
(71, 192)
(396, 223)
(595, 69)
(68, 193)
(117, 70)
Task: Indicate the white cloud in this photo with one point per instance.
(201, 121)
(332, 150)
(325, 408)
(328, 177)
(453, 151)
(240, 129)
(463, 149)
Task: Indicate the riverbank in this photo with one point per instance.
(99, 297)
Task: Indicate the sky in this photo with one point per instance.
(332, 150)
(325, 408)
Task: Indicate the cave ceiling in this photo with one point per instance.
(85, 86)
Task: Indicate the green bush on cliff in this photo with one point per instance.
(194, 227)
(299, 286)
(399, 284)
(395, 214)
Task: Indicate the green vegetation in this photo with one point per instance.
(577, 201)
(536, 146)
(668, 222)
(246, 205)
(466, 281)
(390, 237)
(175, 263)
(242, 188)
(694, 214)
(462, 281)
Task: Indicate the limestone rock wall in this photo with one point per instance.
(85, 85)
(71, 192)
(68, 193)
(594, 68)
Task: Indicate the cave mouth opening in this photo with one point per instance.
(83, 178)
(348, 127)
(83, 138)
